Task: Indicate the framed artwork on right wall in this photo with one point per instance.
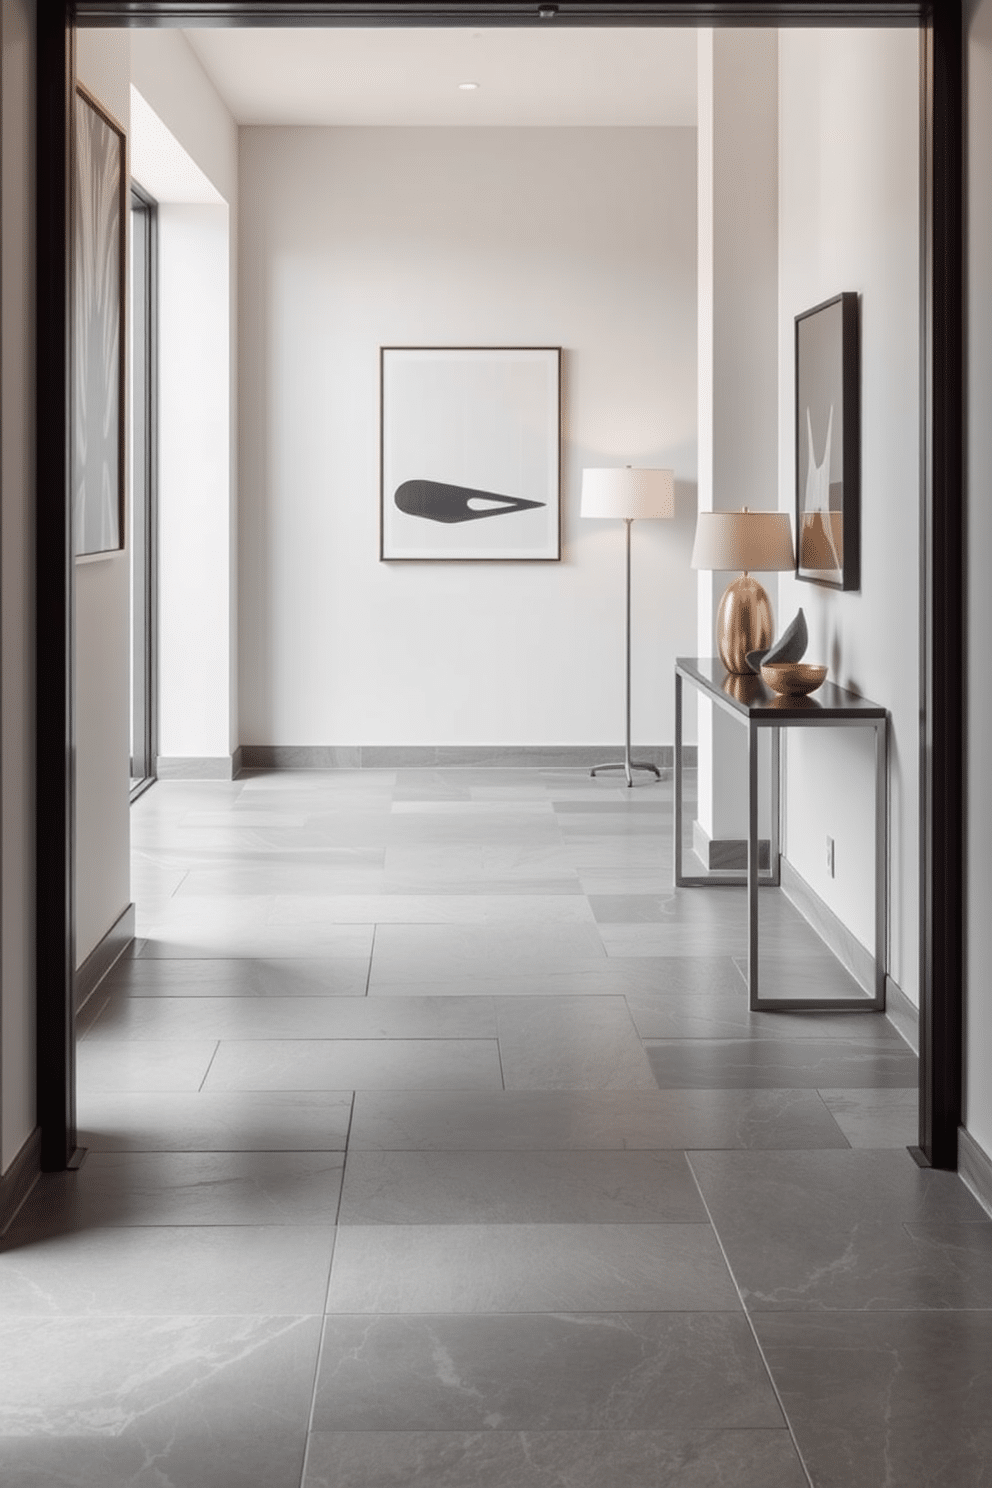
(828, 444)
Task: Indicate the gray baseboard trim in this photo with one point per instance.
(20, 1178)
(431, 756)
(832, 931)
(902, 1014)
(975, 1168)
(105, 954)
(726, 852)
(197, 766)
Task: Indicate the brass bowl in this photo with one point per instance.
(796, 678)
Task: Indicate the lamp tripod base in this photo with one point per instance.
(627, 766)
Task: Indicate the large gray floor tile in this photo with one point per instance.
(356, 1064)
(517, 1120)
(241, 977)
(432, 909)
(784, 973)
(143, 1065)
(571, 1459)
(191, 1188)
(876, 1118)
(900, 1399)
(632, 804)
(725, 1015)
(191, 1402)
(405, 953)
(519, 1187)
(595, 977)
(529, 1268)
(822, 1188)
(237, 1121)
(197, 941)
(125, 1018)
(542, 1372)
(657, 880)
(675, 939)
(203, 1270)
(279, 877)
(646, 908)
(780, 1063)
(697, 977)
(847, 1231)
(566, 1043)
(459, 863)
(505, 808)
(526, 829)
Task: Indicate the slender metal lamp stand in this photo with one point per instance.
(627, 764)
(628, 493)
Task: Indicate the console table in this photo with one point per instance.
(754, 704)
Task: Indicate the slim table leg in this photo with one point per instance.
(752, 865)
(678, 779)
(881, 850)
(775, 846)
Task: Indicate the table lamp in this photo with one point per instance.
(628, 494)
(749, 541)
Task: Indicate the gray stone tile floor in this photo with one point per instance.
(431, 1144)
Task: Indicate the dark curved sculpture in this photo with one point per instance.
(443, 503)
(790, 646)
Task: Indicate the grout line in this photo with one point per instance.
(209, 1067)
(750, 1323)
(344, 1159)
(833, 1118)
(368, 974)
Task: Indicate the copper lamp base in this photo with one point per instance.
(743, 623)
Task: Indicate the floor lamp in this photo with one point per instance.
(627, 494)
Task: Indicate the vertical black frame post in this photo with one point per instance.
(942, 648)
(54, 593)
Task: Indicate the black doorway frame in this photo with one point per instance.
(942, 648)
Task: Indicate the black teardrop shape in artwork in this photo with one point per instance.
(442, 503)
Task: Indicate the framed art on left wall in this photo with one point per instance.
(828, 444)
(98, 284)
(470, 453)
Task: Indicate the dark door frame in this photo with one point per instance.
(942, 558)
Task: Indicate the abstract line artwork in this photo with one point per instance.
(97, 330)
(470, 453)
(828, 444)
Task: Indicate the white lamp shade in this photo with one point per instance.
(753, 542)
(625, 492)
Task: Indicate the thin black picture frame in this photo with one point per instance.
(87, 275)
(828, 363)
(387, 546)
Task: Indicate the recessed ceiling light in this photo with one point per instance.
(468, 87)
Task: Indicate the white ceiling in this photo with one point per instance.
(614, 76)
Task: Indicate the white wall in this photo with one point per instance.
(978, 989)
(352, 238)
(17, 1004)
(849, 203)
(198, 471)
(102, 626)
(196, 714)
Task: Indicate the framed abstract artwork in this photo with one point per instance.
(99, 226)
(470, 457)
(828, 444)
